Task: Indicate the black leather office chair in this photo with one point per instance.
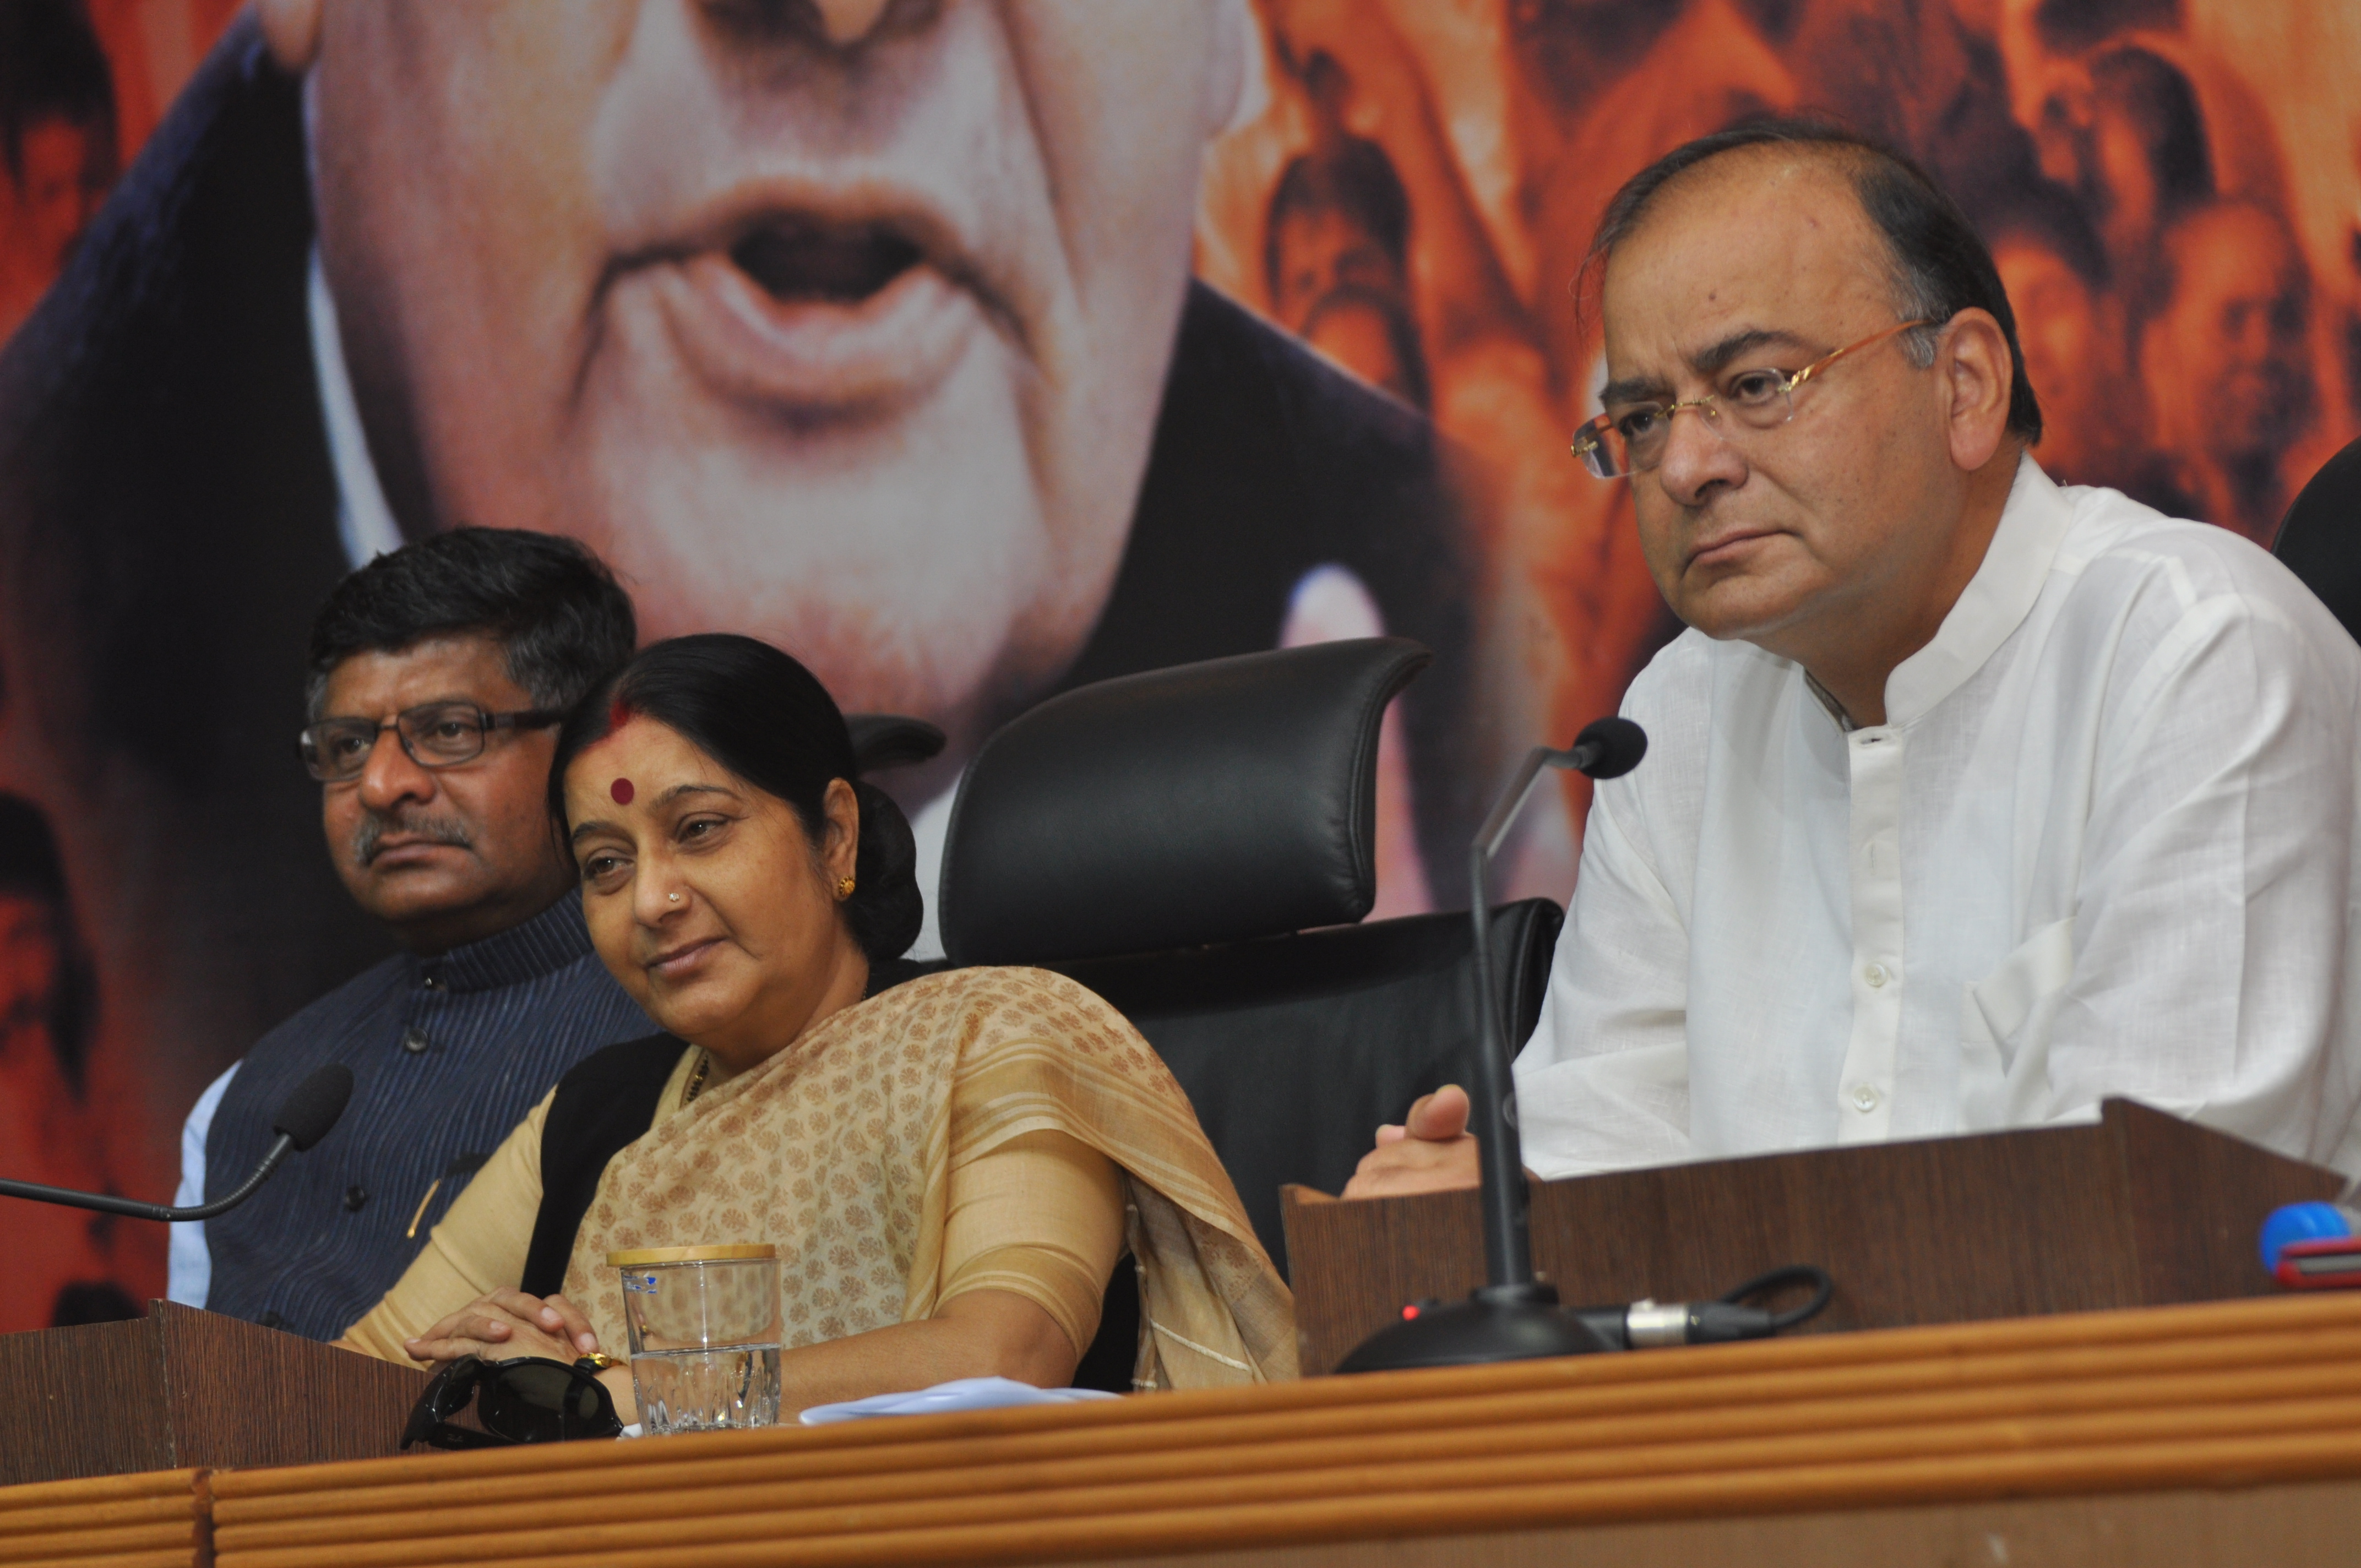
(1194, 845)
(2320, 538)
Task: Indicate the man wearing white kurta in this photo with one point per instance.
(2101, 845)
(1971, 800)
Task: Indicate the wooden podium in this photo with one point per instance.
(181, 1388)
(2137, 1210)
(2213, 1436)
(2183, 1436)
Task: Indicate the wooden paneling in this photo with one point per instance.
(186, 1388)
(2079, 1431)
(242, 1395)
(157, 1520)
(2239, 1528)
(2186, 1437)
(2138, 1209)
(2189, 1397)
(81, 1401)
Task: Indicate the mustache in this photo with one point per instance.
(377, 827)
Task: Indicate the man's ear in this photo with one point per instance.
(291, 28)
(1979, 370)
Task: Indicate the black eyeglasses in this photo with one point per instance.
(530, 1400)
(436, 735)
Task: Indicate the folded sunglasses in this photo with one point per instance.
(529, 1399)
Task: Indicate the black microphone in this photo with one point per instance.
(303, 1119)
(1607, 748)
(1514, 1317)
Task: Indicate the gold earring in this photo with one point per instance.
(844, 887)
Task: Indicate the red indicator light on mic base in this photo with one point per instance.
(1410, 1313)
(2325, 1264)
(2313, 1246)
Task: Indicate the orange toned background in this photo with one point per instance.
(2172, 189)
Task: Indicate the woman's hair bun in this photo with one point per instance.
(886, 908)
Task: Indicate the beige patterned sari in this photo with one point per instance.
(840, 1151)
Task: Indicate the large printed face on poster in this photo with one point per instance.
(959, 347)
(843, 325)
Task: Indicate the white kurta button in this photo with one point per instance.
(1876, 975)
(1864, 1099)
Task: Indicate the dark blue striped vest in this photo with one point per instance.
(448, 1053)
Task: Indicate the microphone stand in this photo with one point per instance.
(108, 1203)
(304, 1118)
(1514, 1317)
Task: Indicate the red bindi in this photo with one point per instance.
(621, 790)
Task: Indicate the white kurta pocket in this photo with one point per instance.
(2005, 1026)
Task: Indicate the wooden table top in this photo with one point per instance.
(2234, 1394)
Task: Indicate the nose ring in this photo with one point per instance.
(674, 896)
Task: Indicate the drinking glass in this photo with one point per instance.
(703, 1329)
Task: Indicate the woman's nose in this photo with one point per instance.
(657, 896)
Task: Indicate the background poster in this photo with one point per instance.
(958, 348)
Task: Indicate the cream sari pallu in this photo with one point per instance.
(840, 1152)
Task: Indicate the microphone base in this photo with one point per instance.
(1499, 1322)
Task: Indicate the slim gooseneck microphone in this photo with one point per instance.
(1514, 1317)
(304, 1118)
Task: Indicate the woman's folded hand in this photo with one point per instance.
(505, 1324)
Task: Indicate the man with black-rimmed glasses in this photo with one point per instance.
(438, 674)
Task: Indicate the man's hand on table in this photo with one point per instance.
(1430, 1151)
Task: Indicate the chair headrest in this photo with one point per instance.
(2317, 540)
(1206, 802)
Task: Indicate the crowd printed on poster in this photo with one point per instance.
(974, 352)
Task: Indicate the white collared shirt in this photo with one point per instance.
(2101, 846)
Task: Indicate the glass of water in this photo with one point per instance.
(704, 1327)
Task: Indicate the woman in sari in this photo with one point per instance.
(950, 1167)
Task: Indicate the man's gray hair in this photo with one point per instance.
(1938, 264)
